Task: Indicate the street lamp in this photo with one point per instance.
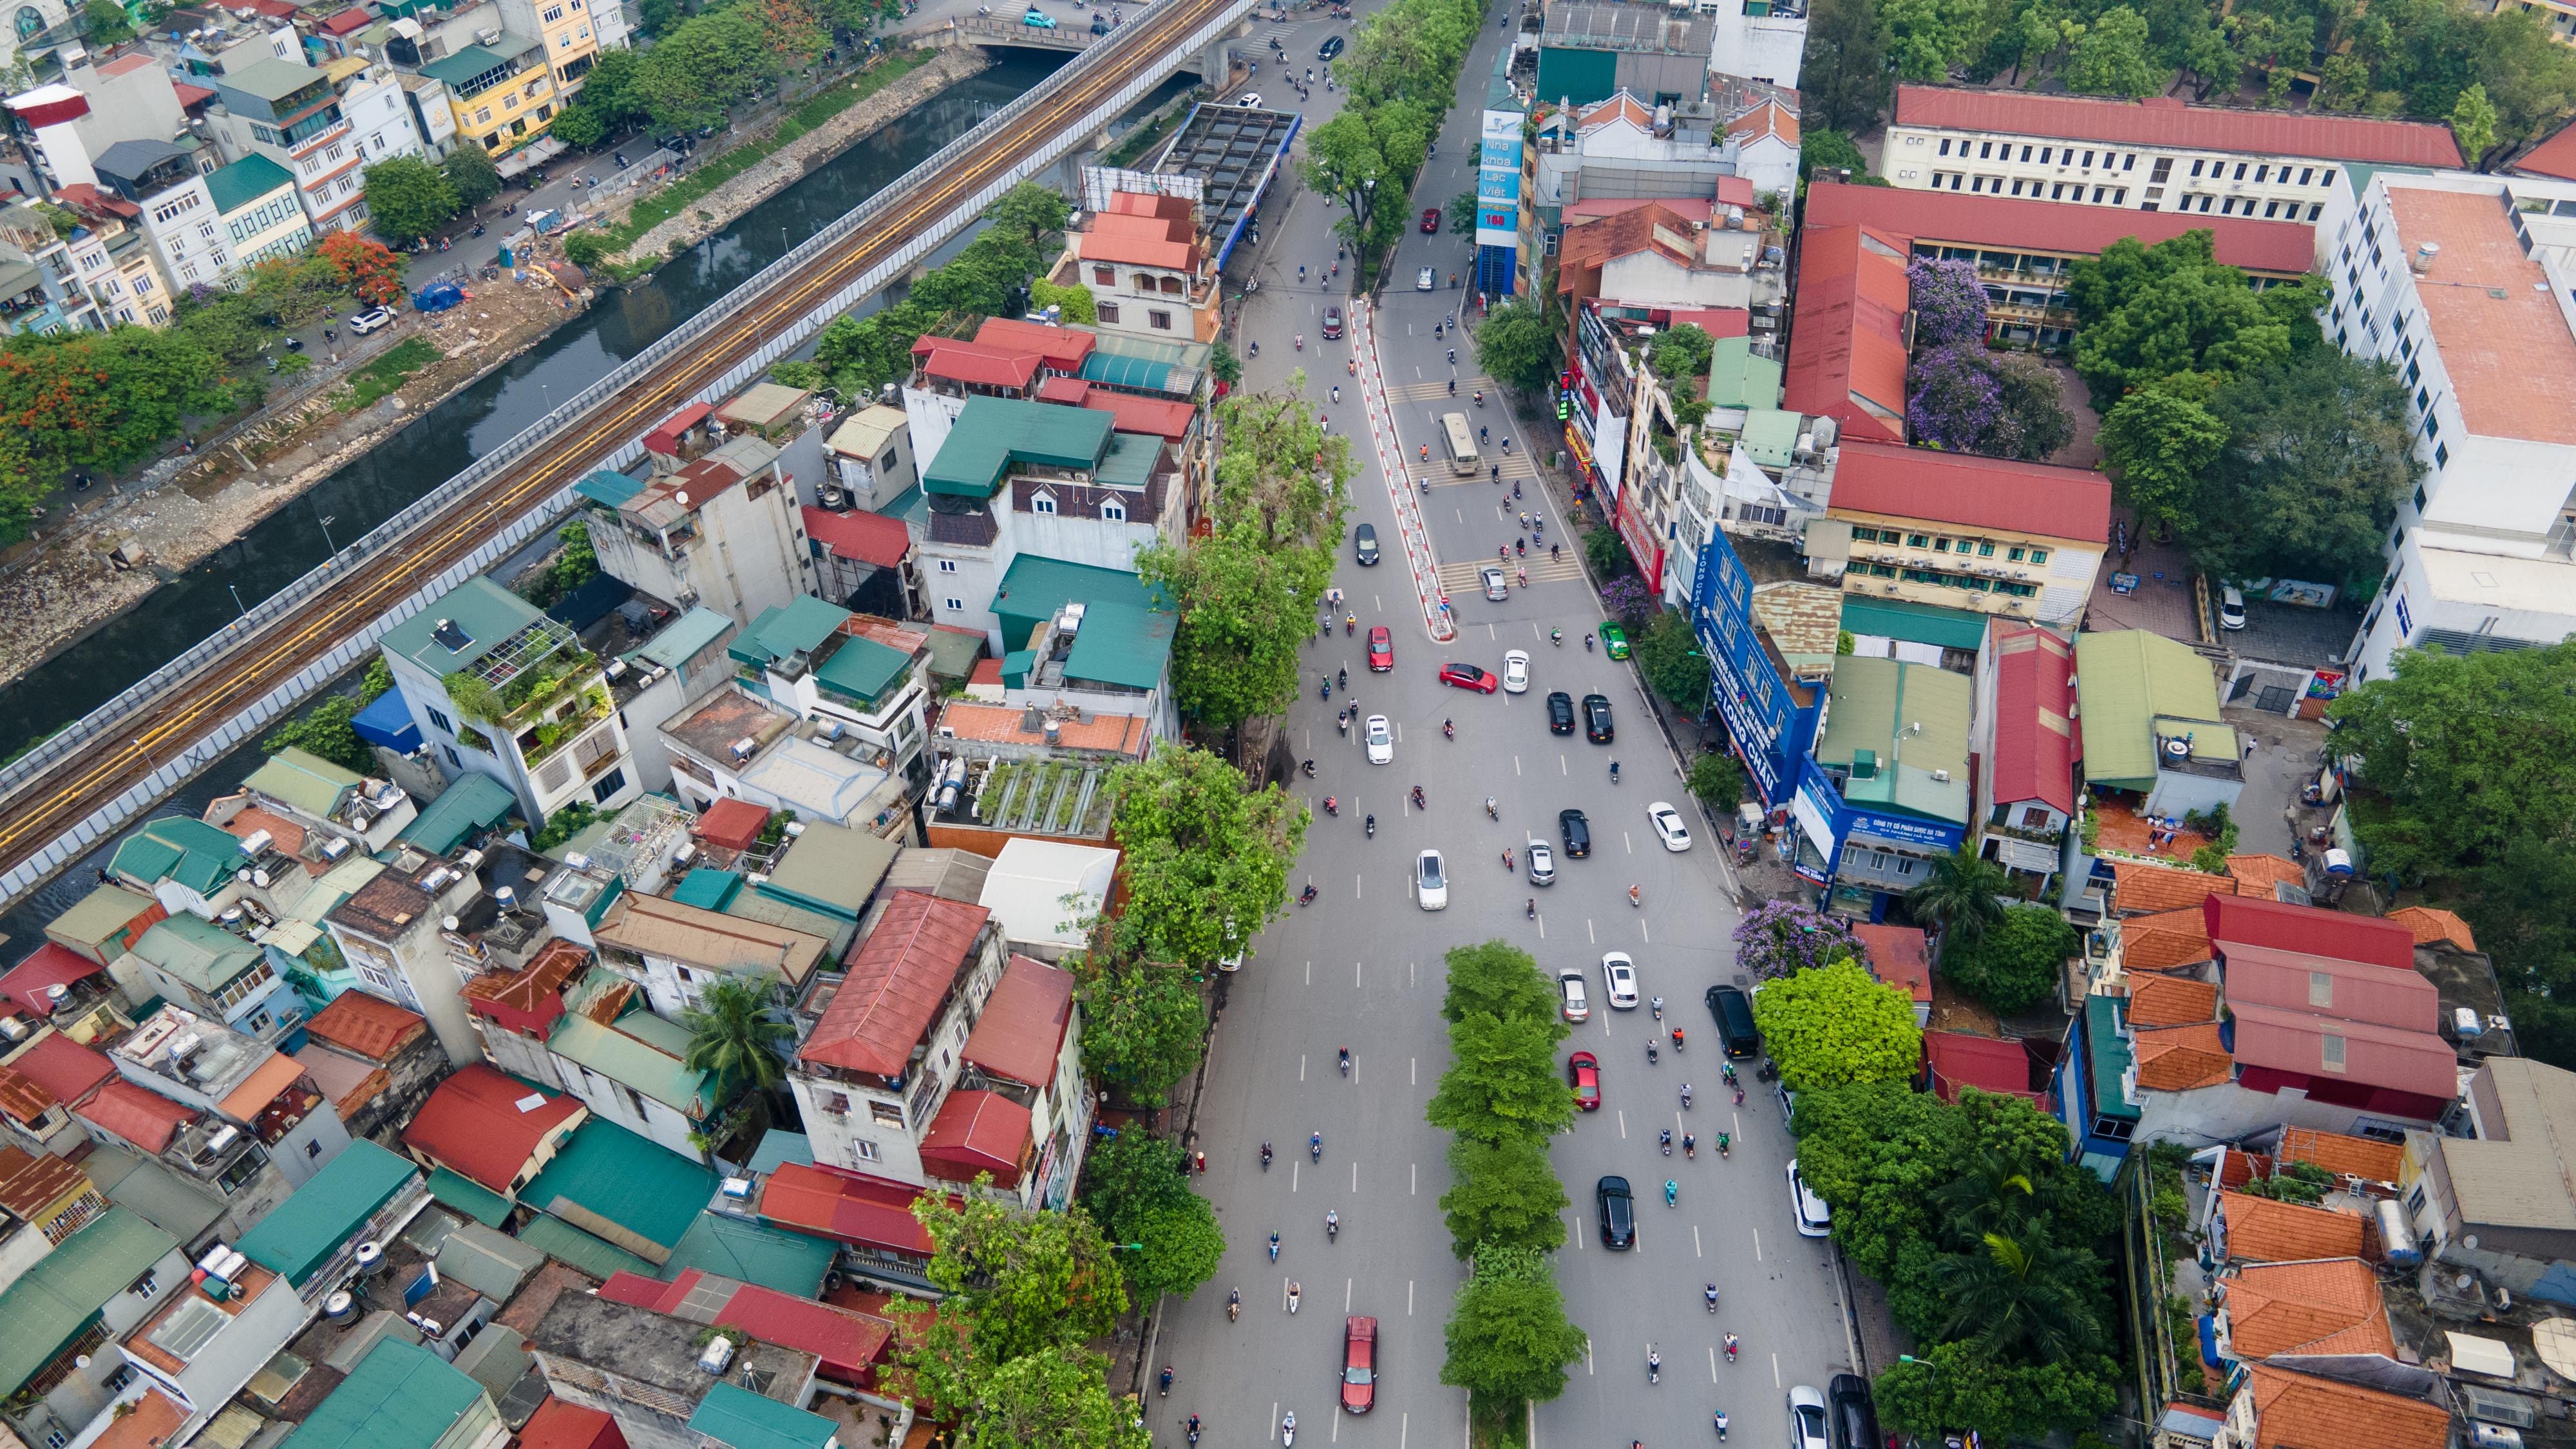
(327, 520)
(237, 603)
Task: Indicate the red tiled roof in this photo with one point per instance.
(2138, 887)
(24, 1098)
(731, 823)
(1986, 1063)
(975, 363)
(897, 978)
(868, 1211)
(847, 1343)
(1898, 956)
(2309, 930)
(2336, 1152)
(1128, 734)
(2432, 925)
(2297, 1411)
(191, 97)
(2054, 226)
(859, 536)
(1021, 1032)
(1063, 348)
(1140, 241)
(2260, 1230)
(1717, 322)
(2291, 980)
(2553, 157)
(1974, 492)
(2036, 743)
(2330, 1307)
(345, 22)
(63, 1067)
(560, 1425)
(472, 1125)
(529, 1000)
(2167, 121)
(365, 1026)
(1849, 318)
(49, 965)
(2171, 1001)
(975, 1132)
(2416, 1063)
(2164, 940)
(145, 1118)
(2181, 1058)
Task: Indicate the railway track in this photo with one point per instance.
(58, 799)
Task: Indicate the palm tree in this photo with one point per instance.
(1993, 1195)
(1961, 897)
(2022, 1290)
(731, 1033)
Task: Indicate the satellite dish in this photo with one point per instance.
(2554, 1339)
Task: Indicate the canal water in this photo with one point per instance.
(443, 441)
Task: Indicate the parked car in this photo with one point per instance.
(1570, 983)
(1560, 712)
(1364, 545)
(1852, 1418)
(1806, 1419)
(1468, 676)
(1515, 672)
(1614, 640)
(1735, 1029)
(1596, 719)
(2231, 607)
(1542, 862)
(1431, 881)
(1618, 1210)
(1583, 1074)
(370, 320)
(1668, 826)
(1359, 1364)
(1430, 220)
(1619, 977)
(1332, 324)
(1381, 649)
(1815, 1220)
(1577, 832)
(1381, 740)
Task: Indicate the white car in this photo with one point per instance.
(1576, 1008)
(369, 320)
(1381, 740)
(1668, 826)
(1249, 98)
(1426, 279)
(1807, 1419)
(1542, 862)
(1516, 672)
(1619, 974)
(1431, 881)
(1815, 1220)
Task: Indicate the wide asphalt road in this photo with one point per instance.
(1361, 968)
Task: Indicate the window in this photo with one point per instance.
(2321, 988)
(2044, 153)
(2014, 555)
(445, 725)
(2441, 458)
(2025, 153)
(2271, 209)
(1945, 146)
(2328, 178)
(2240, 170)
(1108, 312)
(2039, 555)
(1918, 540)
(1160, 318)
(1043, 504)
(1105, 276)
(2262, 173)
(866, 1150)
(948, 566)
(2034, 817)
(1986, 152)
(1940, 545)
(2305, 173)
(2330, 1047)
(955, 606)
(2129, 162)
(2162, 170)
(609, 784)
(2195, 168)
(2088, 160)
(2315, 208)
(147, 1285)
(450, 751)
(313, 1149)
(1114, 512)
(837, 1103)
(886, 1114)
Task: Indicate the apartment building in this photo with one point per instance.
(853, 676)
(378, 109)
(713, 526)
(391, 933)
(2440, 277)
(198, 1064)
(165, 181)
(2159, 154)
(63, 125)
(40, 286)
(502, 92)
(1148, 271)
(536, 712)
(1763, 40)
(740, 745)
(291, 115)
(117, 263)
(566, 29)
(1983, 535)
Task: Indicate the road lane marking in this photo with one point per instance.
(1624, 840)
(1622, 1115)
(1310, 973)
(1542, 928)
(1588, 1366)
(1301, 1066)
(1775, 1370)
(1413, 1071)
(1416, 1189)
(1294, 1167)
(1642, 931)
(1347, 1290)
(1696, 1250)
(1356, 967)
(1403, 1422)
(1757, 1245)
(1589, 933)
(1355, 1174)
(1712, 1363)
(1408, 1298)
(1561, 766)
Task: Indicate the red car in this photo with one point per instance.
(1468, 676)
(1381, 650)
(1430, 219)
(1359, 1364)
(1583, 1074)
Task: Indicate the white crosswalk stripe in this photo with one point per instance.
(1463, 578)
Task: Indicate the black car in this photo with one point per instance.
(1331, 47)
(1560, 713)
(1849, 1415)
(1735, 1030)
(1618, 1209)
(1364, 543)
(1596, 719)
(1577, 832)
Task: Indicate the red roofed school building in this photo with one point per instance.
(2021, 541)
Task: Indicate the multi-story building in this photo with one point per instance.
(536, 713)
(571, 39)
(2025, 748)
(740, 745)
(391, 931)
(2442, 278)
(372, 98)
(672, 950)
(63, 125)
(850, 675)
(502, 93)
(1763, 40)
(2159, 154)
(258, 205)
(40, 286)
(432, 113)
(2151, 723)
(1984, 535)
(224, 976)
(376, 1061)
(290, 114)
(58, 1373)
(1585, 162)
(1592, 50)
(1006, 359)
(1148, 272)
(871, 459)
(201, 1065)
(117, 263)
(1888, 792)
(715, 527)
(166, 183)
(319, 795)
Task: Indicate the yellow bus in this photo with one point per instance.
(1462, 443)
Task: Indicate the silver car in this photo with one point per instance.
(1496, 587)
(1431, 881)
(1542, 863)
(1807, 1419)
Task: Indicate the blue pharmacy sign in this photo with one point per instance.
(1770, 718)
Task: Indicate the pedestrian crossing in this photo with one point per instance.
(1438, 391)
(1516, 467)
(1461, 580)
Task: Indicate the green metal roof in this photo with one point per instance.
(992, 433)
(1121, 644)
(707, 889)
(271, 79)
(1034, 587)
(400, 1396)
(244, 182)
(1127, 371)
(740, 1419)
(56, 1299)
(180, 848)
(95, 917)
(469, 1197)
(909, 506)
(608, 486)
(1915, 623)
(798, 627)
(474, 802)
(304, 780)
(630, 1061)
(832, 869)
(754, 1253)
(1770, 436)
(198, 952)
(463, 66)
(2124, 680)
(1130, 460)
(953, 654)
(1739, 379)
(2110, 1057)
(625, 1180)
(559, 1239)
(682, 638)
(486, 612)
(863, 668)
(1909, 720)
(301, 1233)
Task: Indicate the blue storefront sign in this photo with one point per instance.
(1901, 829)
(1498, 203)
(1770, 719)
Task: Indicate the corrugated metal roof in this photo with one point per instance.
(2415, 1062)
(870, 1212)
(137, 1114)
(1877, 705)
(627, 1181)
(471, 1198)
(773, 1258)
(301, 1233)
(55, 1300)
(992, 433)
(1849, 317)
(2328, 985)
(625, 1058)
(304, 780)
(561, 1240)
(364, 1024)
(2167, 121)
(977, 1132)
(1021, 1033)
(2244, 920)
(2036, 742)
(400, 1396)
(897, 979)
(472, 1124)
(740, 1419)
(49, 965)
(846, 1342)
(2125, 680)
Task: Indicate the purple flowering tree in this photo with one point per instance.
(1949, 304)
(1627, 597)
(1782, 938)
(1953, 401)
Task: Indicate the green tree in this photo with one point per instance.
(861, 353)
(1026, 1282)
(1961, 897)
(1954, 1387)
(2016, 963)
(2473, 124)
(1513, 344)
(1669, 653)
(1718, 780)
(372, 684)
(1058, 1399)
(1502, 1084)
(2461, 757)
(578, 563)
(1029, 215)
(563, 825)
(1206, 861)
(2111, 58)
(325, 730)
(1365, 158)
(471, 175)
(2320, 450)
(1503, 1193)
(106, 400)
(2024, 1292)
(107, 23)
(1835, 1025)
(1078, 304)
(1927, 39)
(1844, 80)
(2149, 313)
(1830, 150)
(1497, 979)
(21, 489)
(2159, 443)
(1136, 1186)
(608, 88)
(1462, 213)
(580, 127)
(736, 1035)
(1223, 364)
(1509, 1338)
(1143, 1027)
